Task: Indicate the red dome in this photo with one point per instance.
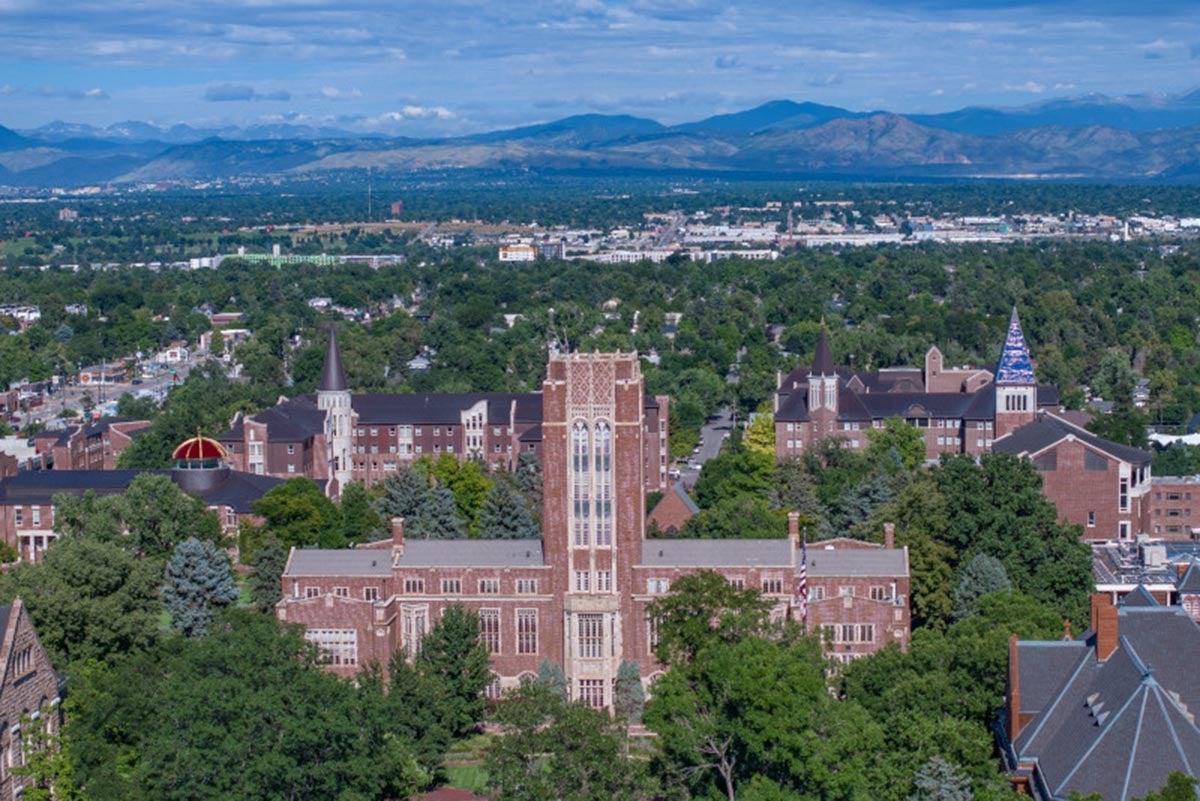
(198, 448)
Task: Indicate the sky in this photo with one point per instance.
(444, 67)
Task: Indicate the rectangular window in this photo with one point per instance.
(341, 592)
(652, 632)
(451, 586)
(527, 631)
(489, 586)
(816, 593)
(527, 586)
(737, 582)
(35, 516)
(291, 449)
(414, 585)
(881, 593)
(1123, 495)
(772, 586)
(591, 636)
(657, 586)
(338, 647)
(416, 623)
(591, 693)
(370, 593)
(489, 629)
(312, 592)
(19, 515)
(846, 591)
(603, 581)
(582, 583)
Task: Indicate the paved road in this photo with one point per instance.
(70, 396)
(712, 436)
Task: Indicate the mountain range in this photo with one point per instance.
(1092, 137)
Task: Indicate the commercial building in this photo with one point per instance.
(579, 595)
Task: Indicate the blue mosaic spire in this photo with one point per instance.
(1015, 365)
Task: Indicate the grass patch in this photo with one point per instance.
(467, 777)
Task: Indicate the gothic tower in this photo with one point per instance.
(333, 398)
(822, 390)
(594, 506)
(1016, 385)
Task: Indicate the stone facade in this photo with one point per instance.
(578, 596)
(29, 692)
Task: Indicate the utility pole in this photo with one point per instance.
(369, 195)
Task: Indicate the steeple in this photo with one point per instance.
(1015, 366)
(822, 357)
(333, 377)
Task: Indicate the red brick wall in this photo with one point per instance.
(1076, 491)
(1172, 508)
(29, 686)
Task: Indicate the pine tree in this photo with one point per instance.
(403, 494)
(938, 780)
(505, 516)
(629, 697)
(437, 518)
(268, 563)
(551, 674)
(983, 574)
(198, 582)
(528, 478)
(452, 652)
(360, 520)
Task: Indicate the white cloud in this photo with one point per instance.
(413, 112)
(334, 93)
(1033, 87)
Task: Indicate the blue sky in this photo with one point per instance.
(450, 66)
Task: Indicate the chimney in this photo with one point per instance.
(397, 539)
(1104, 625)
(794, 527)
(1180, 569)
(889, 535)
(1013, 701)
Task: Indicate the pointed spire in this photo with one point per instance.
(1015, 366)
(822, 357)
(333, 377)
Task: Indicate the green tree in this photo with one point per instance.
(265, 581)
(197, 584)
(898, 437)
(982, 575)
(468, 483)
(297, 513)
(1179, 787)
(438, 518)
(505, 516)
(629, 697)
(735, 473)
(452, 651)
(420, 702)
(741, 517)
(88, 600)
(760, 433)
(938, 780)
(703, 609)
(554, 749)
(552, 676)
(404, 493)
(528, 479)
(360, 521)
(158, 516)
(46, 764)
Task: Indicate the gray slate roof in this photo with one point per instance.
(1048, 430)
(234, 489)
(339, 562)
(472, 553)
(856, 562)
(716, 553)
(1116, 727)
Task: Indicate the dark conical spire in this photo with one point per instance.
(822, 357)
(333, 377)
(1015, 366)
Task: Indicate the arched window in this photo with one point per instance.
(603, 481)
(580, 483)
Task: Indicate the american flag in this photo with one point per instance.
(802, 584)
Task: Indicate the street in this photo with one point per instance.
(713, 434)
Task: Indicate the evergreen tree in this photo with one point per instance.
(265, 582)
(197, 582)
(403, 494)
(360, 521)
(629, 697)
(437, 518)
(551, 674)
(452, 652)
(505, 516)
(938, 780)
(983, 574)
(418, 700)
(528, 478)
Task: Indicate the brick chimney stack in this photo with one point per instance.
(397, 539)
(889, 535)
(794, 527)
(1105, 625)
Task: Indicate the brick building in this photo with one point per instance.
(27, 498)
(88, 446)
(30, 690)
(578, 596)
(959, 410)
(1110, 712)
(345, 436)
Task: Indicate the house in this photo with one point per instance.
(1110, 712)
(30, 692)
(673, 510)
(579, 595)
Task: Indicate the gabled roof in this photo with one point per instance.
(1048, 430)
(1116, 727)
(1015, 366)
(1140, 597)
(1190, 583)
